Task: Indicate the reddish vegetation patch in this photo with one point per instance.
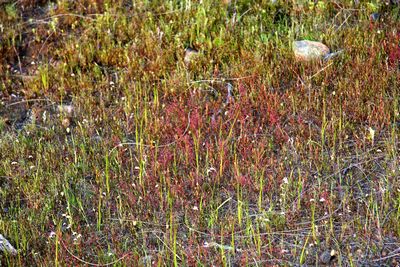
(392, 47)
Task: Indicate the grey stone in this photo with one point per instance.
(328, 256)
(6, 247)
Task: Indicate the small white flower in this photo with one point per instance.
(371, 133)
(195, 208)
(77, 238)
(285, 180)
(211, 169)
(322, 199)
(52, 234)
(291, 141)
(66, 216)
(44, 116)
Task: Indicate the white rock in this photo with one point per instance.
(306, 50)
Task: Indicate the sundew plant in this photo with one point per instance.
(188, 133)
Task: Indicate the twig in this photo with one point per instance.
(215, 244)
(92, 264)
(319, 219)
(345, 20)
(291, 232)
(387, 257)
(29, 100)
(18, 76)
(247, 11)
(168, 247)
(318, 72)
(154, 146)
(19, 60)
(44, 20)
(221, 80)
(45, 41)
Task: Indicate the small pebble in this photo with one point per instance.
(374, 16)
(190, 54)
(327, 256)
(66, 123)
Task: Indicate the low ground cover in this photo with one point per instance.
(117, 147)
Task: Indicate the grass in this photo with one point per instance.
(115, 152)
